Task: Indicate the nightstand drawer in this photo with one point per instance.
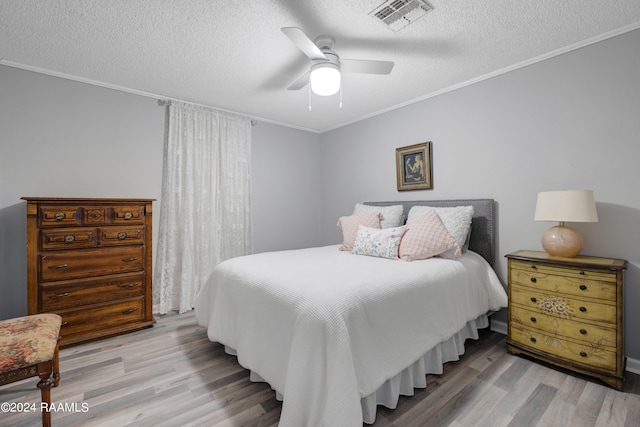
(562, 304)
(589, 354)
(569, 284)
(563, 326)
(75, 293)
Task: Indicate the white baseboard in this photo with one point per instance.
(633, 365)
(499, 327)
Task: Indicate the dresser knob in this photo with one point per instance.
(59, 295)
(131, 310)
(59, 216)
(129, 259)
(122, 235)
(534, 266)
(582, 272)
(533, 339)
(128, 215)
(583, 309)
(64, 323)
(534, 320)
(534, 280)
(53, 267)
(583, 354)
(70, 238)
(583, 331)
(128, 285)
(583, 287)
(533, 299)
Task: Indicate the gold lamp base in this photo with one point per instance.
(562, 241)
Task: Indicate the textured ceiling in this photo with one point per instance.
(232, 55)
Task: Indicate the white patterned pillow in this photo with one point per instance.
(427, 237)
(457, 220)
(382, 243)
(391, 215)
(349, 225)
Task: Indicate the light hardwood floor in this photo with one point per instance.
(172, 375)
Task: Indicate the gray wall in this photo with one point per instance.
(60, 138)
(570, 122)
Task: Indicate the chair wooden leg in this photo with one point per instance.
(46, 380)
(56, 367)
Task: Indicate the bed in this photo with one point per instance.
(337, 334)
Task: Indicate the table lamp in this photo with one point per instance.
(565, 206)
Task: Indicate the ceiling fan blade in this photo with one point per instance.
(300, 83)
(304, 43)
(364, 66)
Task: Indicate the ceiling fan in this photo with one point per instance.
(326, 66)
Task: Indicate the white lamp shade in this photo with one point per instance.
(566, 206)
(325, 79)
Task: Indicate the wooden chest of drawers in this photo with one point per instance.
(568, 312)
(89, 260)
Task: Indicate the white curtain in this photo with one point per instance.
(205, 211)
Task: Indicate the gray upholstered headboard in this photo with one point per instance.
(482, 224)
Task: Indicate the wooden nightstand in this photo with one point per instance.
(568, 312)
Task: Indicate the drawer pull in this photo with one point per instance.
(583, 353)
(122, 235)
(128, 285)
(129, 311)
(533, 299)
(533, 339)
(70, 238)
(534, 280)
(583, 287)
(534, 266)
(59, 216)
(129, 259)
(582, 272)
(583, 331)
(59, 295)
(64, 323)
(583, 309)
(534, 320)
(53, 267)
(128, 215)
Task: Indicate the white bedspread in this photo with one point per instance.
(325, 328)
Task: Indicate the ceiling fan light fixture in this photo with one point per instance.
(325, 79)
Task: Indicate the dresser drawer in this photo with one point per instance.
(75, 293)
(587, 286)
(128, 214)
(556, 303)
(90, 262)
(590, 354)
(563, 326)
(121, 235)
(56, 216)
(68, 238)
(101, 316)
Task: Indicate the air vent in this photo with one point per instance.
(397, 14)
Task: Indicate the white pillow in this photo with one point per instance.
(391, 215)
(383, 243)
(456, 219)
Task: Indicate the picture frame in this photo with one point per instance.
(414, 167)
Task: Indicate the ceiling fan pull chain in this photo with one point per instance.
(340, 96)
(309, 97)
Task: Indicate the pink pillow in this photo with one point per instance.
(427, 237)
(350, 225)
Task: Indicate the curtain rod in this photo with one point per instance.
(167, 102)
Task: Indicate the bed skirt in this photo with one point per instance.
(412, 377)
